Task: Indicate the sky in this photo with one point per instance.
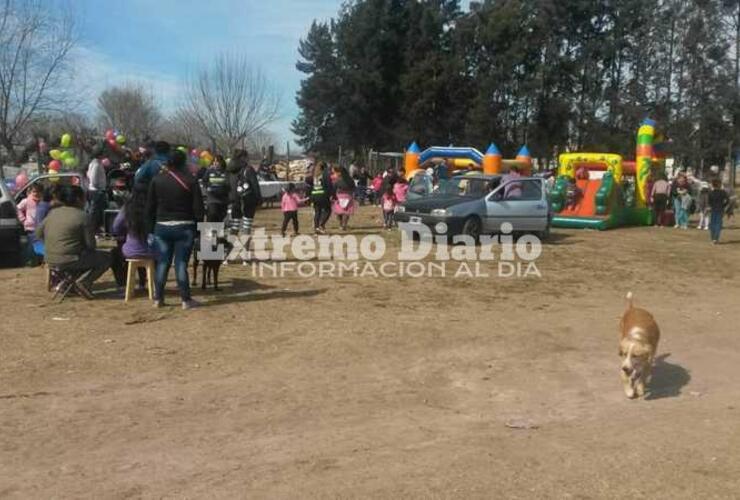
(158, 43)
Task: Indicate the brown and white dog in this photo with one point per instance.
(639, 335)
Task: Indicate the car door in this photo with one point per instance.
(519, 202)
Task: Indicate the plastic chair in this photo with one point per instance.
(131, 275)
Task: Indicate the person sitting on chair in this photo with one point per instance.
(69, 242)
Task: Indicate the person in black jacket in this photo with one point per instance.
(321, 193)
(216, 184)
(717, 201)
(174, 206)
(245, 195)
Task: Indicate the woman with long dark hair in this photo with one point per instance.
(174, 206)
(130, 230)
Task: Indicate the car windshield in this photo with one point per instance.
(467, 186)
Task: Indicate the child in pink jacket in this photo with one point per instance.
(27, 208)
(289, 205)
(400, 188)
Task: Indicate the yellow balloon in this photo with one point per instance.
(55, 154)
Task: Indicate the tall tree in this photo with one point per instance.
(230, 100)
(319, 97)
(131, 109)
(36, 42)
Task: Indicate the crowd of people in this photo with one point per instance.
(167, 198)
(687, 195)
(158, 219)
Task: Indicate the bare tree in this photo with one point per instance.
(130, 109)
(182, 128)
(260, 142)
(36, 41)
(230, 101)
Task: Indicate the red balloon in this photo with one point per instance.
(109, 134)
(55, 165)
(113, 144)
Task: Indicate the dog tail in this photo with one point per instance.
(628, 298)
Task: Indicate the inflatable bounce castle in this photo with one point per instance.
(602, 191)
(458, 159)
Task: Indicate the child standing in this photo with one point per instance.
(683, 203)
(702, 206)
(400, 188)
(388, 203)
(289, 205)
(717, 203)
(27, 208)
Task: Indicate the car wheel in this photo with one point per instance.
(472, 228)
(544, 235)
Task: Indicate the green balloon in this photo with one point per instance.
(70, 162)
(66, 155)
(66, 140)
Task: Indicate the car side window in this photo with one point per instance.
(524, 190)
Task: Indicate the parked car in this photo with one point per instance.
(13, 239)
(476, 204)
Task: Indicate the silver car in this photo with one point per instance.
(476, 204)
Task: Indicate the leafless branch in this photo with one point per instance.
(230, 101)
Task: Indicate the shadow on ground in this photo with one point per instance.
(668, 379)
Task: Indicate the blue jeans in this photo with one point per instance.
(681, 214)
(715, 225)
(173, 241)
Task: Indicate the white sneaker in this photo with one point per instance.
(190, 304)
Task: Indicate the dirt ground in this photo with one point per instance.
(375, 387)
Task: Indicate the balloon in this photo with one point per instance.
(66, 155)
(203, 162)
(66, 140)
(121, 139)
(109, 134)
(113, 144)
(55, 154)
(71, 162)
(55, 165)
(195, 152)
(21, 180)
(183, 149)
(105, 162)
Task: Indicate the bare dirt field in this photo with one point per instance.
(383, 388)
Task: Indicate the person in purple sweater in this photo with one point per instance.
(129, 228)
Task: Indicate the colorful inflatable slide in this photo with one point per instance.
(601, 190)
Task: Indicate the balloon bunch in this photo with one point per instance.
(63, 155)
(205, 159)
(115, 139)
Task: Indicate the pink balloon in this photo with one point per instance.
(194, 152)
(109, 134)
(105, 162)
(55, 165)
(21, 180)
(113, 144)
